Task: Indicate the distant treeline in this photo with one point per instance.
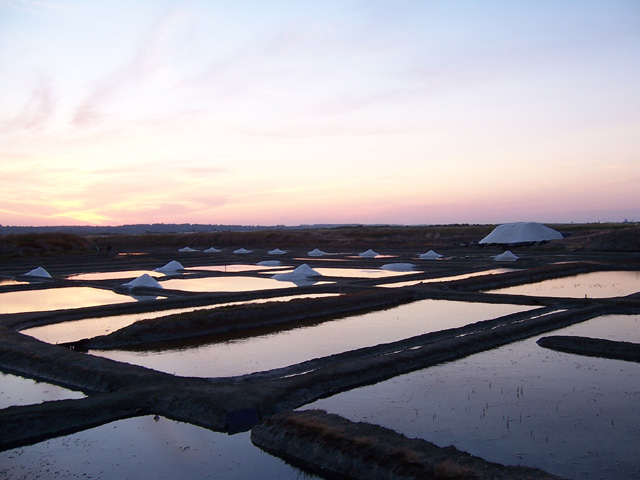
(152, 228)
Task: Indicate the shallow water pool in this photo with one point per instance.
(16, 390)
(145, 448)
(74, 330)
(280, 349)
(571, 415)
(593, 284)
(125, 275)
(495, 271)
(58, 298)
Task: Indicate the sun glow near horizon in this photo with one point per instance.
(403, 112)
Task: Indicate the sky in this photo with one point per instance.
(302, 112)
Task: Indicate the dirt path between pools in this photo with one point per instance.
(117, 390)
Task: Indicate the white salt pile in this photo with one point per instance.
(38, 272)
(212, 250)
(430, 255)
(170, 268)
(187, 250)
(368, 254)
(506, 257)
(316, 253)
(240, 251)
(144, 280)
(301, 273)
(269, 263)
(521, 232)
(276, 251)
(398, 267)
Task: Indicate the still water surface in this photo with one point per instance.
(593, 284)
(145, 448)
(58, 299)
(15, 390)
(574, 416)
(274, 350)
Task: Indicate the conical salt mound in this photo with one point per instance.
(368, 254)
(212, 250)
(303, 272)
(38, 272)
(430, 255)
(241, 251)
(506, 257)
(187, 250)
(276, 251)
(144, 280)
(316, 253)
(521, 232)
(170, 268)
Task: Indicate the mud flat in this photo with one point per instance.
(335, 447)
(593, 347)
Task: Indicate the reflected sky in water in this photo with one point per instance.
(593, 284)
(268, 351)
(145, 448)
(15, 390)
(125, 274)
(75, 330)
(58, 298)
(571, 415)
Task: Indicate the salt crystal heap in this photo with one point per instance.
(368, 254)
(171, 268)
(300, 276)
(241, 251)
(398, 267)
(316, 253)
(38, 272)
(187, 250)
(430, 255)
(521, 232)
(212, 250)
(145, 280)
(276, 251)
(506, 257)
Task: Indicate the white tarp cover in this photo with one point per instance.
(521, 232)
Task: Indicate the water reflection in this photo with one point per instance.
(495, 271)
(224, 284)
(274, 350)
(113, 275)
(594, 284)
(57, 299)
(574, 416)
(72, 331)
(145, 448)
(15, 390)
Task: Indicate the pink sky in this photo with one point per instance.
(392, 112)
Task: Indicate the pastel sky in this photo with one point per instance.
(293, 112)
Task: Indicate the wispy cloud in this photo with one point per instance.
(36, 112)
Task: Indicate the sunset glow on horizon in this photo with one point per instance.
(267, 113)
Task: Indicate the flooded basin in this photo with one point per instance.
(126, 274)
(74, 330)
(494, 271)
(575, 416)
(58, 298)
(145, 448)
(594, 285)
(16, 390)
(225, 284)
(273, 350)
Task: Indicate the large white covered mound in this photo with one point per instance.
(430, 255)
(506, 257)
(170, 268)
(521, 232)
(144, 280)
(368, 254)
(38, 272)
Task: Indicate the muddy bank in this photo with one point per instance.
(338, 448)
(592, 347)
